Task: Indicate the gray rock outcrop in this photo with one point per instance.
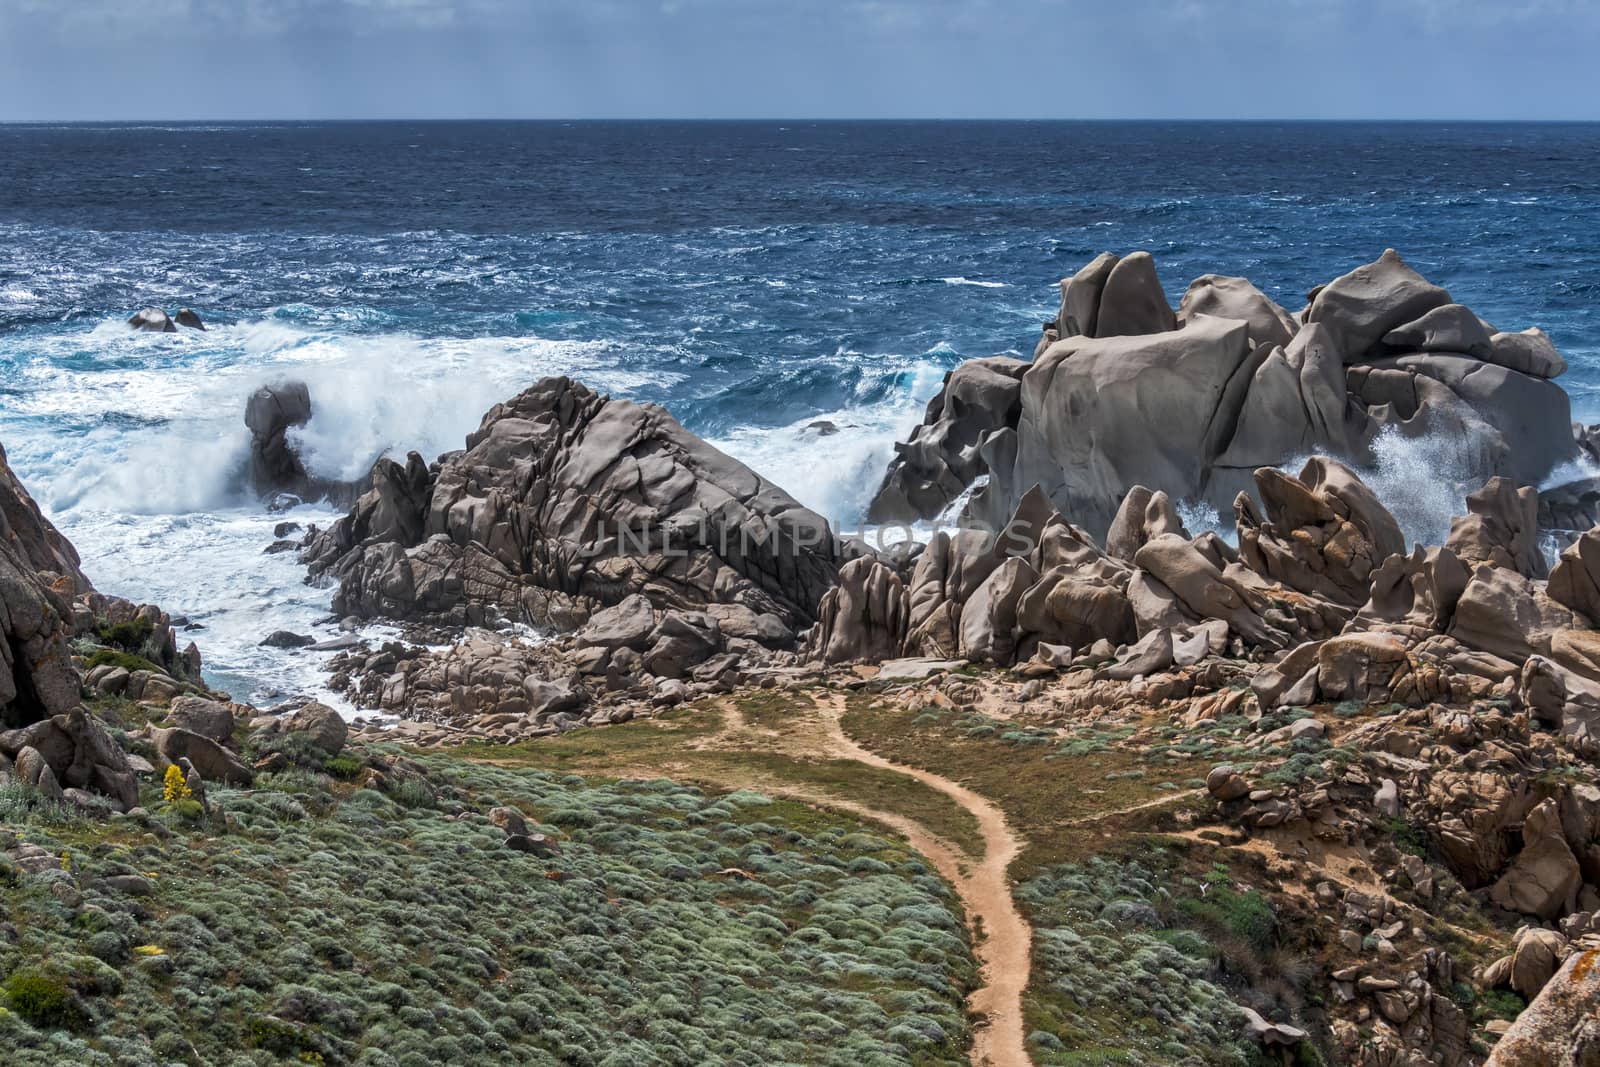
(1122, 392)
(563, 502)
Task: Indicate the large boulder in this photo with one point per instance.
(152, 320)
(208, 718)
(566, 501)
(864, 617)
(320, 724)
(1088, 406)
(1544, 878)
(1575, 579)
(1561, 1028)
(1117, 397)
(213, 762)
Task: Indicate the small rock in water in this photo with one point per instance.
(152, 320)
(823, 427)
(279, 502)
(288, 639)
(279, 547)
(187, 317)
(284, 529)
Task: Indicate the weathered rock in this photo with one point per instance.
(566, 501)
(189, 318)
(1506, 614)
(152, 320)
(1238, 298)
(1447, 328)
(942, 457)
(1080, 298)
(1529, 352)
(864, 617)
(323, 726)
(1561, 1028)
(1575, 579)
(626, 624)
(287, 639)
(1132, 300)
(1544, 879)
(1227, 784)
(1142, 515)
(270, 413)
(1088, 404)
(1358, 666)
(1537, 957)
(213, 762)
(1361, 308)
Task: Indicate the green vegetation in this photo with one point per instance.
(1058, 796)
(692, 744)
(317, 922)
(1119, 978)
(130, 636)
(104, 657)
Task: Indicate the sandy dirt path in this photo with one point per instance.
(1004, 952)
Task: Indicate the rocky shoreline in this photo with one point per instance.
(586, 561)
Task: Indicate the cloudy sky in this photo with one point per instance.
(100, 59)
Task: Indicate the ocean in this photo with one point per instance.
(753, 277)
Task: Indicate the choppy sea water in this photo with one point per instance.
(753, 277)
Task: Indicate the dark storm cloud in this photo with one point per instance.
(85, 59)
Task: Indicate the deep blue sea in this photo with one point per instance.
(753, 277)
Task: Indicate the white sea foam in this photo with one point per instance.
(969, 281)
(835, 474)
(151, 489)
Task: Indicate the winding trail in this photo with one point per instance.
(1003, 939)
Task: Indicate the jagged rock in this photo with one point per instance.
(1501, 528)
(681, 641)
(566, 501)
(1088, 404)
(1544, 879)
(989, 616)
(1419, 591)
(1506, 614)
(190, 318)
(864, 617)
(152, 320)
(1325, 533)
(1116, 397)
(204, 717)
(1358, 666)
(942, 457)
(1561, 1028)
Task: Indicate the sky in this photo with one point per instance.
(1088, 59)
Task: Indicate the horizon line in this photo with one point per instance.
(1191, 120)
